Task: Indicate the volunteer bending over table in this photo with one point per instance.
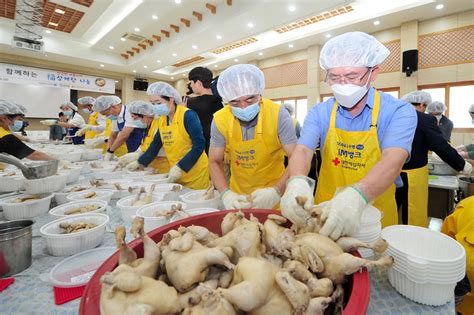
(413, 195)
(144, 117)
(74, 122)
(97, 122)
(9, 115)
(365, 138)
(255, 134)
(180, 134)
(125, 136)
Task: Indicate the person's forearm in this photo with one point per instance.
(383, 174)
(111, 140)
(98, 128)
(282, 182)
(217, 175)
(300, 161)
(38, 155)
(119, 140)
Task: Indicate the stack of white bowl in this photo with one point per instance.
(427, 266)
(370, 228)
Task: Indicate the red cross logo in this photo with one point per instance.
(237, 162)
(336, 162)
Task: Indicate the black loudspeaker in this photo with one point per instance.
(410, 61)
(140, 85)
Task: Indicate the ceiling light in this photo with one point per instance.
(102, 66)
(123, 39)
(177, 1)
(236, 60)
(53, 24)
(172, 78)
(215, 66)
(194, 46)
(291, 8)
(175, 55)
(159, 61)
(48, 32)
(154, 17)
(219, 37)
(59, 11)
(290, 45)
(439, 6)
(111, 47)
(250, 25)
(134, 71)
(328, 35)
(116, 81)
(146, 67)
(376, 22)
(260, 53)
(136, 29)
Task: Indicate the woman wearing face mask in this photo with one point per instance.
(180, 135)
(254, 134)
(9, 143)
(365, 138)
(437, 109)
(74, 122)
(144, 117)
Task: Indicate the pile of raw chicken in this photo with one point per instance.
(253, 268)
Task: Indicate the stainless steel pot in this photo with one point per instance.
(440, 168)
(467, 186)
(15, 246)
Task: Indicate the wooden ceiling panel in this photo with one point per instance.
(7, 9)
(65, 22)
(86, 3)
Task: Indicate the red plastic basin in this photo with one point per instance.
(357, 288)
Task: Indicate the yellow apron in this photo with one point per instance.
(92, 121)
(347, 157)
(256, 163)
(160, 163)
(177, 143)
(3, 133)
(295, 122)
(418, 196)
(460, 225)
(122, 150)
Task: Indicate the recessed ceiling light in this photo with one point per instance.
(215, 66)
(102, 66)
(439, 6)
(194, 46)
(328, 35)
(291, 8)
(219, 37)
(236, 60)
(175, 54)
(260, 53)
(123, 39)
(59, 11)
(154, 17)
(134, 71)
(116, 81)
(146, 67)
(159, 61)
(48, 32)
(250, 25)
(172, 78)
(290, 45)
(376, 22)
(177, 1)
(53, 24)
(111, 47)
(136, 29)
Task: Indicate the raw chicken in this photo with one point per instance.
(67, 228)
(145, 200)
(83, 209)
(26, 199)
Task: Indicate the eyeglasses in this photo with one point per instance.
(351, 77)
(247, 101)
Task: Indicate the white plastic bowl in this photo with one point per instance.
(151, 220)
(61, 196)
(12, 183)
(156, 178)
(128, 211)
(193, 212)
(46, 185)
(117, 193)
(72, 173)
(69, 244)
(91, 154)
(105, 195)
(192, 200)
(72, 156)
(107, 175)
(58, 211)
(166, 189)
(26, 210)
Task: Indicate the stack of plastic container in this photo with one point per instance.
(428, 264)
(370, 228)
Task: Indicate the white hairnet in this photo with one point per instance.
(240, 80)
(164, 89)
(8, 108)
(69, 104)
(435, 107)
(141, 108)
(418, 97)
(289, 108)
(353, 49)
(22, 109)
(471, 109)
(104, 102)
(86, 100)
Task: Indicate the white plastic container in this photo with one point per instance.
(128, 211)
(69, 156)
(59, 244)
(58, 211)
(72, 174)
(26, 210)
(110, 185)
(107, 175)
(193, 212)
(171, 191)
(370, 229)
(12, 183)
(46, 185)
(91, 155)
(148, 212)
(156, 178)
(61, 196)
(105, 195)
(193, 200)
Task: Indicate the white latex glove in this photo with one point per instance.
(233, 200)
(174, 174)
(133, 166)
(108, 156)
(341, 215)
(298, 186)
(96, 142)
(128, 158)
(83, 130)
(265, 198)
(48, 122)
(467, 170)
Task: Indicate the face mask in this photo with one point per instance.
(68, 112)
(112, 117)
(139, 124)
(87, 111)
(161, 110)
(349, 94)
(438, 117)
(246, 114)
(17, 125)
